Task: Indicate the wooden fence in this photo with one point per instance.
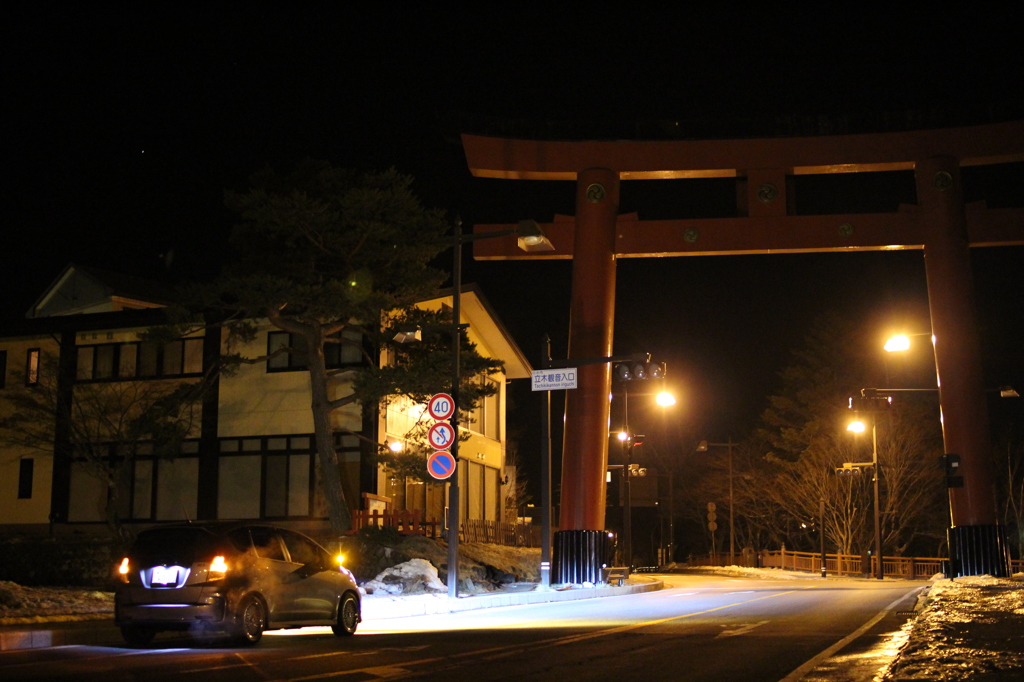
(408, 521)
(499, 533)
(844, 564)
(411, 522)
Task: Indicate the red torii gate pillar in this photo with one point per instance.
(938, 224)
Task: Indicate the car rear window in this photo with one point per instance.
(180, 546)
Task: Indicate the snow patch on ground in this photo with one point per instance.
(970, 627)
(416, 576)
(22, 605)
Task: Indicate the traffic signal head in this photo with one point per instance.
(639, 371)
(848, 470)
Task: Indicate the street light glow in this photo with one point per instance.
(666, 399)
(857, 427)
(898, 343)
(623, 436)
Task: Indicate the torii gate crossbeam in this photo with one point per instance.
(939, 223)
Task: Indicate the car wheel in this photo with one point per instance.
(250, 621)
(136, 635)
(348, 617)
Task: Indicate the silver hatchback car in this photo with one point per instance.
(240, 578)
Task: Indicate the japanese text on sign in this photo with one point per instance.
(554, 379)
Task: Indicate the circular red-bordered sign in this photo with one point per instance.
(441, 406)
(441, 436)
(441, 464)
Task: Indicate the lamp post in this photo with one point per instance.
(703, 447)
(859, 427)
(531, 238)
(627, 507)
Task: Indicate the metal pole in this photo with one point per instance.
(545, 475)
(627, 520)
(879, 570)
(732, 526)
(453, 487)
(671, 519)
(821, 532)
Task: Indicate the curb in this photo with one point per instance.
(374, 608)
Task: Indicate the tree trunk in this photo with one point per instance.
(339, 513)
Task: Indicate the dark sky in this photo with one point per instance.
(124, 127)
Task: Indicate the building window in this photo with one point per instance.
(291, 351)
(25, 470)
(345, 349)
(280, 467)
(111, 361)
(32, 367)
(485, 419)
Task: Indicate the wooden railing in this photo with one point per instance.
(408, 521)
(499, 533)
(845, 564)
(849, 564)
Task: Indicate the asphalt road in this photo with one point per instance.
(700, 628)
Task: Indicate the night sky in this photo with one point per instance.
(124, 128)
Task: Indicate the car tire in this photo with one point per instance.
(250, 621)
(137, 635)
(348, 617)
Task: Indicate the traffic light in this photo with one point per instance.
(870, 403)
(850, 470)
(639, 371)
(637, 470)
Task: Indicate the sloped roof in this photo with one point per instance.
(79, 287)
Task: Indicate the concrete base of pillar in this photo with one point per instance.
(978, 550)
(579, 556)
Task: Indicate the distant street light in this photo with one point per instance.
(872, 406)
(901, 342)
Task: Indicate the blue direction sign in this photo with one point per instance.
(441, 464)
(441, 436)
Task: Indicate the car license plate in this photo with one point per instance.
(165, 575)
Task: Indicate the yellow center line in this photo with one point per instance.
(394, 672)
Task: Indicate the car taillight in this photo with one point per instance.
(218, 567)
(123, 569)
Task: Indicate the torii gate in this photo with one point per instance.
(940, 224)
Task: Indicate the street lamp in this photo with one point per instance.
(531, 238)
(703, 447)
(871, 405)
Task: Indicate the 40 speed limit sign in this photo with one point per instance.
(441, 406)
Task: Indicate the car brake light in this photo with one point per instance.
(218, 566)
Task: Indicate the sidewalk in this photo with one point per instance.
(102, 632)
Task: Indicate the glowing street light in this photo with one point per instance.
(898, 343)
(856, 426)
(665, 399)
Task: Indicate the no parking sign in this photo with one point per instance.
(441, 464)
